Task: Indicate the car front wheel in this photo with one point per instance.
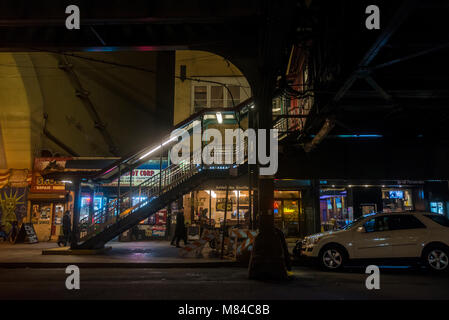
(437, 259)
(332, 258)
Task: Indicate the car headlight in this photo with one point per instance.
(315, 240)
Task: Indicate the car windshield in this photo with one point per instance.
(356, 220)
(352, 223)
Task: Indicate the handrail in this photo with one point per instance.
(168, 177)
(130, 156)
(164, 181)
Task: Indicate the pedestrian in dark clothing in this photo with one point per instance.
(288, 262)
(66, 226)
(135, 233)
(180, 229)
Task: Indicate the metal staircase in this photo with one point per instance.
(157, 192)
(153, 194)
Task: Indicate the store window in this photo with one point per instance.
(396, 200)
(200, 97)
(47, 219)
(215, 96)
(334, 210)
(287, 211)
(436, 207)
(209, 207)
(57, 220)
(99, 202)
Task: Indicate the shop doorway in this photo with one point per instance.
(286, 212)
(47, 219)
(334, 210)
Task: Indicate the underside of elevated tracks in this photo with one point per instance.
(377, 100)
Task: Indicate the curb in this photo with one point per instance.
(149, 265)
(73, 252)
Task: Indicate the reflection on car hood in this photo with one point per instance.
(327, 233)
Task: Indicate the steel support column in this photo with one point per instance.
(76, 212)
(91, 204)
(267, 258)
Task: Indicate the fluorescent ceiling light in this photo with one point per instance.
(66, 181)
(219, 117)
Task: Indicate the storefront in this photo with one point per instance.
(209, 206)
(341, 201)
(86, 199)
(46, 212)
(397, 199)
(334, 209)
(153, 228)
(287, 211)
(48, 200)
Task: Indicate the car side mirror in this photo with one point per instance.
(361, 229)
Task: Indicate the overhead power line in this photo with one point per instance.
(138, 68)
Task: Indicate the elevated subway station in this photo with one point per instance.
(363, 110)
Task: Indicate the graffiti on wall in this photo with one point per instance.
(12, 206)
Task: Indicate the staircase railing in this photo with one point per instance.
(238, 113)
(149, 189)
(168, 178)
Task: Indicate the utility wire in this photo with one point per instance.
(135, 68)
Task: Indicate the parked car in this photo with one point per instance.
(407, 235)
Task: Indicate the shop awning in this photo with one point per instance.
(47, 196)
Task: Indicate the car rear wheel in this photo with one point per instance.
(437, 258)
(332, 258)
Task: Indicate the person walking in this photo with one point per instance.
(66, 227)
(180, 229)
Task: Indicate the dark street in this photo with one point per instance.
(219, 283)
(208, 151)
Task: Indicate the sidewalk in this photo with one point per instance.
(148, 254)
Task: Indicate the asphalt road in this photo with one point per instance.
(218, 283)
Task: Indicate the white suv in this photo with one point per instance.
(401, 235)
